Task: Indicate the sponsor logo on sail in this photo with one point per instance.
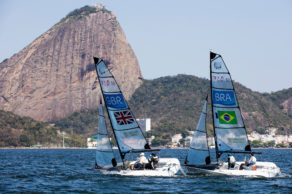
(236, 140)
(107, 82)
(217, 65)
(226, 98)
(115, 101)
(226, 117)
(124, 117)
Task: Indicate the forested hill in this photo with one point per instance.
(174, 104)
(20, 131)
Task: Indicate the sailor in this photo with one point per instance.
(231, 161)
(152, 161)
(141, 161)
(251, 162)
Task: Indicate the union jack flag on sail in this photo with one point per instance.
(124, 117)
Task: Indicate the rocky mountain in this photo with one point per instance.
(54, 76)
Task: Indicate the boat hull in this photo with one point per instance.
(263, 169)
(166, 167)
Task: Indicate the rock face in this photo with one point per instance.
(55, 75)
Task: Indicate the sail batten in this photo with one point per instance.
(127, 131)
(229, 128)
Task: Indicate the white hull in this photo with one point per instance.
(166, 167)
(263, 169)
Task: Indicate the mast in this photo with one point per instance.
(212, 56)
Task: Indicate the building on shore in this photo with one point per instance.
(145, 124)
(92, 142)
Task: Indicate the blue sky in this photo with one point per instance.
(174, 37)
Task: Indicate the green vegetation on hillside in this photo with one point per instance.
(82, 12)
(26, 132)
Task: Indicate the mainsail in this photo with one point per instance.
(229, 129)
(199, 153)
(104, 157)
(127, 132)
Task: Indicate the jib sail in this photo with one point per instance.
(229, 129)
(199, 151)
(104, 157)
(127, 132)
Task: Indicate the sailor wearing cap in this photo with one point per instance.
(143, 159)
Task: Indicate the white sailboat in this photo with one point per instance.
(229, 129)
(129, 137)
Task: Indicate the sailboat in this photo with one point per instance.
(229, 128)
(127, 132)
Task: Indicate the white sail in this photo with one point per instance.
(229, 128)
(104, 154)
(199, 152)
(127, 132)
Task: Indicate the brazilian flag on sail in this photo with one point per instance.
(227, 117)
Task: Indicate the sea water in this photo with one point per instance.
(66, 170)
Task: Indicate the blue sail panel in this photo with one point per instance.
(224, 98)
(115, 101)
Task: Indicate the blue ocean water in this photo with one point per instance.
(62, 171)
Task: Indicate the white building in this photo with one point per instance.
(145, 124)
(176, 138)
(92, 142)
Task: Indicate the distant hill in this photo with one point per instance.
(283, 99)
(174, 104)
